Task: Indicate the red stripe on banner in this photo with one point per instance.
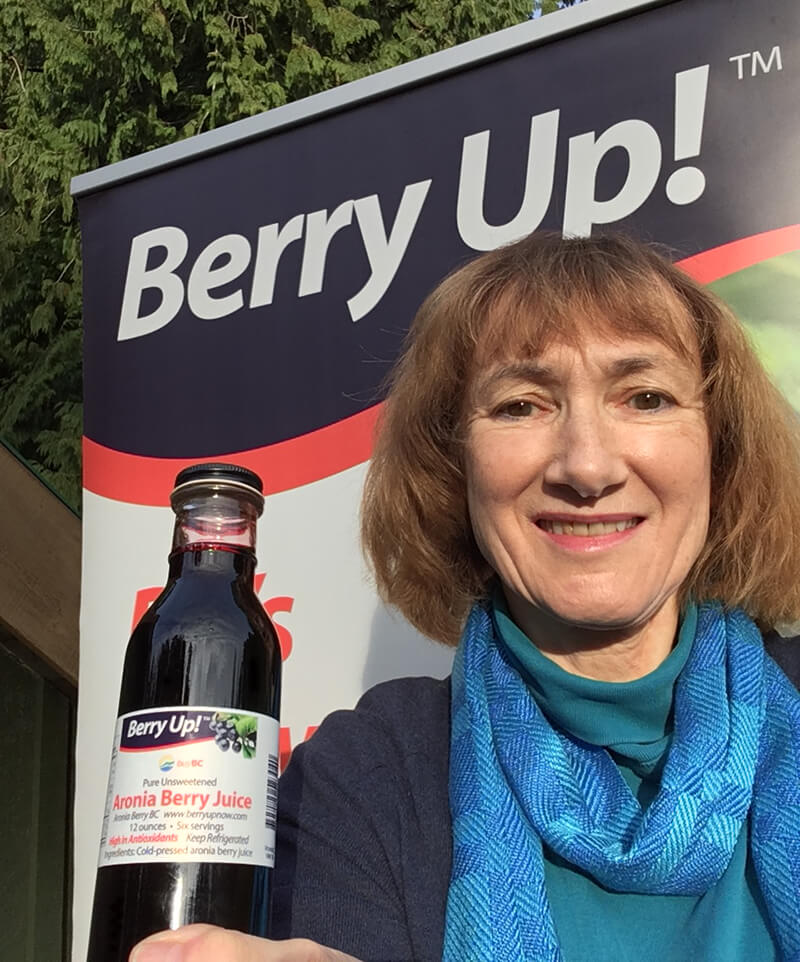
(718, 262)
(138, 479)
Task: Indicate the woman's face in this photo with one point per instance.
(588, 478)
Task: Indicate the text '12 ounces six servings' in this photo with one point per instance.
(189, 826)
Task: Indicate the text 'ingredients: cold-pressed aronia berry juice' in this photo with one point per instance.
(189, 825)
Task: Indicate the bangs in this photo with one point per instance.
(520, 318)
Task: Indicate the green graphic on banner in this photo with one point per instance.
(764, 296)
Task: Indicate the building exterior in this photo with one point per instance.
(39, 597)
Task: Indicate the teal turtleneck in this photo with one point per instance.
(633, 721)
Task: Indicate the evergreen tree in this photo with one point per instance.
(85, 83)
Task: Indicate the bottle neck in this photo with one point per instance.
(214, 517)
(215, 532)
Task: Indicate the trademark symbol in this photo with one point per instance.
(754, 63)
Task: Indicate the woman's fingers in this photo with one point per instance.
(207, 943)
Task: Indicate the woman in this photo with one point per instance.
(585, 475)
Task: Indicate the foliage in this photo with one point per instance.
(540, 7)
(85, 83)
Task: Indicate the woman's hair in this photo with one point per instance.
(512, 302)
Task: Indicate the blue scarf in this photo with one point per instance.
(516, 782)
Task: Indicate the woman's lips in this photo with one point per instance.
(588, 534)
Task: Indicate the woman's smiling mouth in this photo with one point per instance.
(587, 528)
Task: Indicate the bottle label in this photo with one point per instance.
(192, 785)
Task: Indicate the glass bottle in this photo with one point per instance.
(188, 830)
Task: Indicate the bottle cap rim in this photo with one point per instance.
(225, 473)
(206, 480)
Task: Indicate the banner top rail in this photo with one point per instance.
(590, 13)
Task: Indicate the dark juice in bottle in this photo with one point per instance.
(188, 831)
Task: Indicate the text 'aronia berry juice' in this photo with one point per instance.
(189, 825)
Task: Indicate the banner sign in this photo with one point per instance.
(247, 304)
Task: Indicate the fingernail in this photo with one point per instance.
(158, 951)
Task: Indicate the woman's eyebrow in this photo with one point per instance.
(519, 371)
(537, 373)
(637, 364)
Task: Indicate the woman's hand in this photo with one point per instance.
(207, 943)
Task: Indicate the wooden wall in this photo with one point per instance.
(40, 568)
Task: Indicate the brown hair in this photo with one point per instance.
(415, 523)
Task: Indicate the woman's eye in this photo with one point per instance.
(517, 409)
(648, 401)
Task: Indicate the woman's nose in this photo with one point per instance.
(587, 454)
